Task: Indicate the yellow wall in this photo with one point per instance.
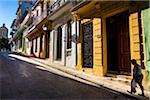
(43, 53)
(97, 49)
(100, 67)
(135, 39)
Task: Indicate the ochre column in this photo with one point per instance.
(97, 47)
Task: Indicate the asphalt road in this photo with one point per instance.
(20, 80)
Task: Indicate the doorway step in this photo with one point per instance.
(121, 78)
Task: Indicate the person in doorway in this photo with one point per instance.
(137, 77)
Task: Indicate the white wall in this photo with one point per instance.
(28, 46)
(52, 45)
(64, 44)
(71, 60)
(55, 44)
(55, 34)
(38, 46)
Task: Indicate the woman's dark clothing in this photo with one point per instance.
(137, 78)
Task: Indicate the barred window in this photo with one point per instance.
(69, 37)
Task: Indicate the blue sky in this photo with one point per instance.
(8, 12)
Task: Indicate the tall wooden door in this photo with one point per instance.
(32, 47)
(118, 47)
(59, 43)
(124, 43)
(47, 43)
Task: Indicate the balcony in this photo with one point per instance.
(56, 5)
(58, 8)
(38, 19)
(35, 21)
(23, 16)
(76, 2)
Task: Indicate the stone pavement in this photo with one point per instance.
(107, 82)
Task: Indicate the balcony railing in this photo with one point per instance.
(36, 20)
(56, 5)
(59, 3)
(75, 2)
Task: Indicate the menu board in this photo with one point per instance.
(87, 47)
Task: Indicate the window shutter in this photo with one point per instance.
(134, 37)
(97, 42)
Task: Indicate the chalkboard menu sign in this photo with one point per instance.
(87, 47)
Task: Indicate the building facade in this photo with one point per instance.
(18, 24)
(96, 37)
(50, 30)
(63, 49)
(110, 36)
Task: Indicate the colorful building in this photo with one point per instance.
(22, 10)
(96, 37)
(145, 27)
(51, 27)
(63, 49)
(110, 36)
(36, 36)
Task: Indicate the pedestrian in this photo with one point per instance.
(137, 78)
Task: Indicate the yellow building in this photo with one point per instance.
(38, 31)
(110, 36)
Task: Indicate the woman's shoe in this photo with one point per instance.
(141, 95)
(130, 92)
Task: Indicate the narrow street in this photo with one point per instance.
(21, 80)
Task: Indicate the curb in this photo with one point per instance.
(86, 77)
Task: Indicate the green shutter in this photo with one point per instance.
(20, 32)
(146, 26)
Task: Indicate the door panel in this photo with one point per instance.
(47, 43)
(118, 42)
(124, 40)
(59, 43)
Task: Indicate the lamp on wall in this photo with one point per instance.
(44, 27)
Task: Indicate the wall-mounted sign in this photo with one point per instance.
(75, 38)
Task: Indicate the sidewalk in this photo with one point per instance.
(107, 82)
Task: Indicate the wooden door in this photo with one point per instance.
(59, 43)
(32, 47)
(47, 43)
(112, 44)
(118, 43)
(124, 55)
